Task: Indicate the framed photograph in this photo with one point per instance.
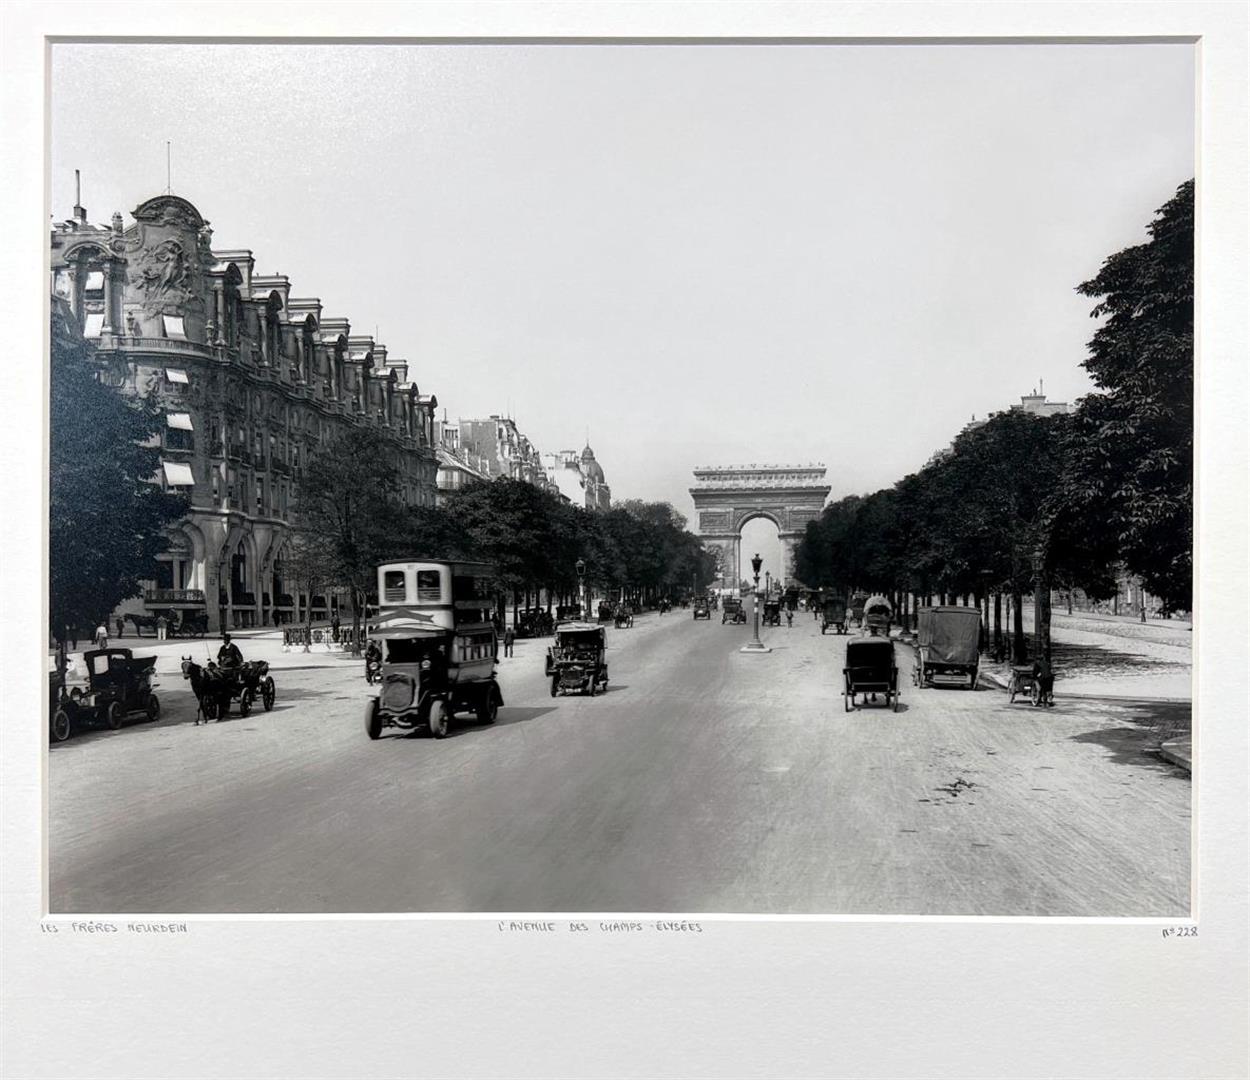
(703, 529)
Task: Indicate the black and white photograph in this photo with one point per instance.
(768, 494)
(661, 488)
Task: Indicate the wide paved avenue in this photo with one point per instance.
(705, 780)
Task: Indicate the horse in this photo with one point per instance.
(208, 683)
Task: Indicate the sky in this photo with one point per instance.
(692, 254)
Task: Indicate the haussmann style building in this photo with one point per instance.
(253, 379)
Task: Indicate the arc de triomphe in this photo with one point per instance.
(727, 497)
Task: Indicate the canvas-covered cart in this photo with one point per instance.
(948, 643)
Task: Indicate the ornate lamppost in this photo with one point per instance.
(580, 566)
(755, 645)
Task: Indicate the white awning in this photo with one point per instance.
(92, 325)
(176, 375)
(179, 420)
(173, 327)
(95, 281)
(177, 474)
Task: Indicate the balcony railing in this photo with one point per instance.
(160, 344)
(173, 596)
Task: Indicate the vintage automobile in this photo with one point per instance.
(878, 614)
(606, 611)
(60, 708)
(623, 616)
(576, 660)
(948, 646)
(733, 611)
(534, 622)
(702, 608)
(439, 647)
(772, 612)
(870, 670)
(568, 613)
(119, 684)
(833, 613)
(857, 608)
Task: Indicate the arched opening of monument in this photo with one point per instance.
(742, 509)
(761, 535)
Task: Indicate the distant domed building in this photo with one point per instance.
(579, 478)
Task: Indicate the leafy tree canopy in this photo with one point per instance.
(107, 517)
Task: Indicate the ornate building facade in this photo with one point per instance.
(497, 442)
(252, 379)
(579, 478)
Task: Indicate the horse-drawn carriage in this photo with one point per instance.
(870, 670)
(878, 614)
(178, 623)
(216, 687)
(857, 608)
(665, 606)
(623, 616)
(576, 660)
(119, 684)
(606, 611)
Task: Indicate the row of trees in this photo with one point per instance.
(1024, 503)
(351, 519)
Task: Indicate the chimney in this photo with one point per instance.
(80, 215)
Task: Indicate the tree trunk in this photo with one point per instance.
(1041, 617)
(356, 604)
(1019, 656)
(998, 624)
(308, 618)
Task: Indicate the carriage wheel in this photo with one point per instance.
(487, 709)
(153, 708)
(113, 717)
(267, 693)
(60, 725)
(373, 719)
(897, 695)
(439, 716)
(555, 685)
(1011, 692)
(245, 701)
(1035, 693)
(848, 701)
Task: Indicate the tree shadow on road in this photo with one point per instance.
(1152, 724)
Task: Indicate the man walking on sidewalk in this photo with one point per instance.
(509, 635)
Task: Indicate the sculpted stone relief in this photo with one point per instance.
(162, 277)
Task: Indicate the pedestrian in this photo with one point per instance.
(334, 626)
(509, 635)
(121, 627)
(101, 637)
(789, 618)
(162, 627)
(73, 638)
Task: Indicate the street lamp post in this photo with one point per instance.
(755, 645)
(581, 587)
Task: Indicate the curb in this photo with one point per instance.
(1179, 752)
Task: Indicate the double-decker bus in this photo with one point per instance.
(438, 644)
